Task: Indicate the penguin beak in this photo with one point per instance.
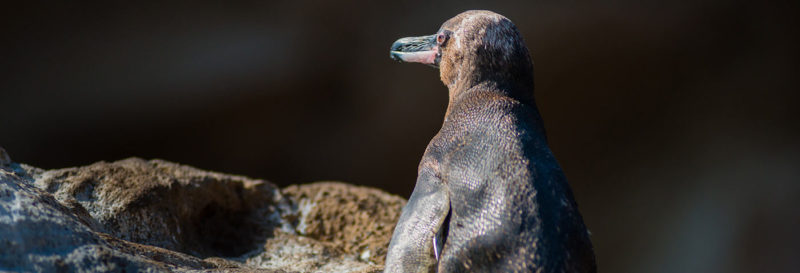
(421, 49)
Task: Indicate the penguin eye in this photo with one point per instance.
(442, 37)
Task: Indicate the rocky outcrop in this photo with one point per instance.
(138, 215)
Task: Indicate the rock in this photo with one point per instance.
(302, 254)
(37, 233)
(138, 215)
(341, 228)
(171, 206)
(359, 219)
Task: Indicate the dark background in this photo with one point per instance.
(676, 123)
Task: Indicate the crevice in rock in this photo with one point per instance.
(225, 232)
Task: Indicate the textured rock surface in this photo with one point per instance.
(138, 215)
(37, 233)
(171, 206)
(358, 219)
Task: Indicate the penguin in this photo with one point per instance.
(489, 196)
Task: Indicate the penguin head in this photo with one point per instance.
(473, 46)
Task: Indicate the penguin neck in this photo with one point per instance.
(518, 86)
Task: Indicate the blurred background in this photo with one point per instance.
(675, 122)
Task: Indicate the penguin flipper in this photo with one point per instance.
(412, 248)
